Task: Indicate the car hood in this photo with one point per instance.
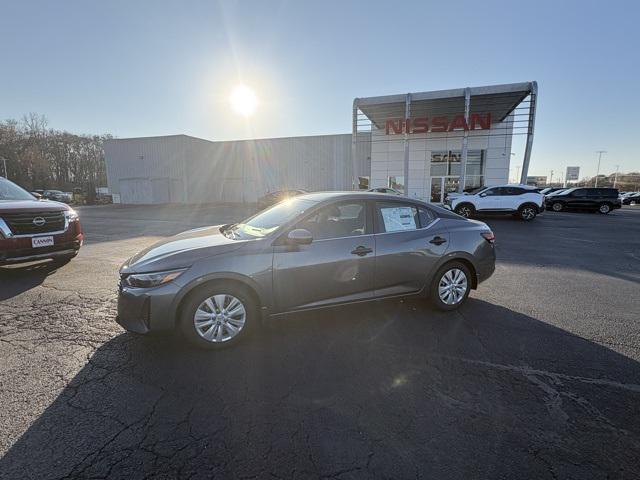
(182, 250)
(22, 206)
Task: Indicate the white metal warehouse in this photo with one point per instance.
(424, 144)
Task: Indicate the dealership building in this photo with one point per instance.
(423, 144)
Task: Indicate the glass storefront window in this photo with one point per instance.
(444, 163)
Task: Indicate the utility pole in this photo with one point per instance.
(551, 178)
(599, 152)
(615, 178)
(6, 175)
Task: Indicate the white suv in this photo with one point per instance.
(521, 200)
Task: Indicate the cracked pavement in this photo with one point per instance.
(537, 376)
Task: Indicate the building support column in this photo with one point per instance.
(407, 116)
(531, 126)
(465, 142)
(354, 146)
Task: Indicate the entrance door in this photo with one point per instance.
(440, 186)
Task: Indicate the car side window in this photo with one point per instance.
(493, 192)
(397, 217)
(426, 216)
(580, 193)
(348, 219)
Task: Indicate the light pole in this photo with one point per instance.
(4, 161)
(599, 152)
(615, 178)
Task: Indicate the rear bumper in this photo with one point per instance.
(146, 310)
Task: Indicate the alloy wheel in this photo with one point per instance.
(464, 211)
(604, 208)
(452, 286)
(220, 318)
(527, 213)
(556, 207)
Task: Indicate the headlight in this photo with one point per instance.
(71, 215)
(148, 280)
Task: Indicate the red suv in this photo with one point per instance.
(32, 229)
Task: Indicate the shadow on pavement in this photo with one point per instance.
(391, 389)
(17, 279)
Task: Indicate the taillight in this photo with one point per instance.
(489, 237)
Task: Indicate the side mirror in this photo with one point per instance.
(37, 195)
(483, 195)
(299, 236)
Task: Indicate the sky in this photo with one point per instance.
(145, 68)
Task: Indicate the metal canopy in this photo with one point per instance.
(499, 100)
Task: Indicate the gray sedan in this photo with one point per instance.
(218, 284)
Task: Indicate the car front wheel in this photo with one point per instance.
(217, 316)
(451, 286)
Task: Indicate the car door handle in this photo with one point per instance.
(437, 240)
(361, 250)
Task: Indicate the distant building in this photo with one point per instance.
(537, 181)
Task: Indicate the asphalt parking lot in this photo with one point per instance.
(537, 376)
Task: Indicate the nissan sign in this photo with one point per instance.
(477, 121)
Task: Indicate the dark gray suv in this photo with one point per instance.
(216, 284)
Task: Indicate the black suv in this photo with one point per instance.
(602, 200)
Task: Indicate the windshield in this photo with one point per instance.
(268, 220)
(11, 191)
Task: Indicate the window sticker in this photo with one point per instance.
(397, 219)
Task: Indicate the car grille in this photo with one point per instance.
(23, 223)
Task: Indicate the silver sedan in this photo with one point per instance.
(217, 284)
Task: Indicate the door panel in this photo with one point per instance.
(323, 273)
(405, 258)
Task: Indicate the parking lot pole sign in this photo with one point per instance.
(573, 174)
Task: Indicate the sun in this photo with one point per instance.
(243, 100)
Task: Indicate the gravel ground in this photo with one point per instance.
(537, 376)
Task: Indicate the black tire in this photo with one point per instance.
(604, 208)
(527, 212)
(198, 297)
(434, 294)
(465, 210)
(557, 206)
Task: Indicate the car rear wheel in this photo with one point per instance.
(465, 210)
(557, 206)
(604, 208)
(218, 315)
(527, 212)
(451, 286)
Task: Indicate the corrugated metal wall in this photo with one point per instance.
(187, 169)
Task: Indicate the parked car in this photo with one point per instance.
(521, 200)
(632, 198)
(31, 229)
(216, 284)
(602, 200)
(391, 191)
(57, 196)
(276, 197)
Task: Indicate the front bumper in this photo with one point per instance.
(19, 249)
(145, 310)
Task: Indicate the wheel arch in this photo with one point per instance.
(463, 258)
(529, 202)
(247, 283)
